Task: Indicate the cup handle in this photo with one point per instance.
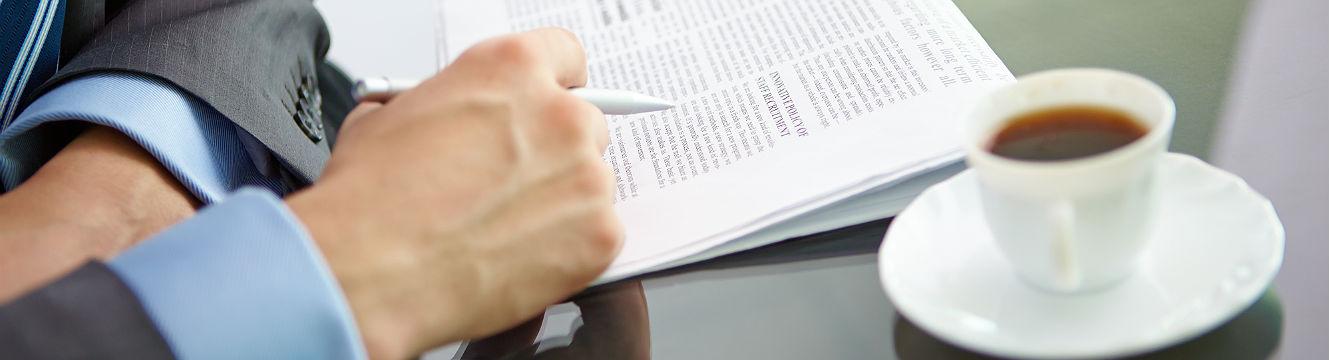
(1063, 245)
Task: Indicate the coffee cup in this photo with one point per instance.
(1068, 186)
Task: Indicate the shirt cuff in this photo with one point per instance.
(202, 149)
(242, 279)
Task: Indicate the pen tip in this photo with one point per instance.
(657, 104)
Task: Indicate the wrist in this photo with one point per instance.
(105, 184)
(98, 196)
(331, 223)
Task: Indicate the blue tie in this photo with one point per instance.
(29, 50)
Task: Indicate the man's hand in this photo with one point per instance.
(470, 203)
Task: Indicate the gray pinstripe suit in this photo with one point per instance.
(255, 61)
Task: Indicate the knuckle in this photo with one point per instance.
(569, 117)
(572, 41)
(564, 104)
(593, 179)
(508, 49)
(605, 236)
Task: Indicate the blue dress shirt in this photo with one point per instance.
(194, 142)
(242, 278)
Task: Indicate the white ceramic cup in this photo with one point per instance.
(1079, 224)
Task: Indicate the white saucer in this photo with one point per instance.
(1217, 248)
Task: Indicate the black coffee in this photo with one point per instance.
(1065, 133)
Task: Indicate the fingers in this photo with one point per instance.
(545, 55)
(551, 56)
(597, 128)
(565, 123)
(561, 52)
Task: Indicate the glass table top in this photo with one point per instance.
(818, 297)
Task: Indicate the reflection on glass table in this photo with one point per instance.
(1252, 334)
(613, 324)
(617, 321)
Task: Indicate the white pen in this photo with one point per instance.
(611, 102)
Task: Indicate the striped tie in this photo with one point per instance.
(29, 50)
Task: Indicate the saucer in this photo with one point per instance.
(1217, 247)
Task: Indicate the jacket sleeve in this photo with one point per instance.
(254, 61)
(242, 279)
(89, 313)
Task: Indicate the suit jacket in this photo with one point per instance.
(255, 61)
(87, 314)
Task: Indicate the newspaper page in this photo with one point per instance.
(783, 106)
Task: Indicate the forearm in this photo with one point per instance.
(99, 195)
